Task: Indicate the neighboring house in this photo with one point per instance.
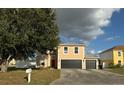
(31, 62)
(12, 62)
(73, 56)
(114, 55)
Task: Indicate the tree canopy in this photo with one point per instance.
(22, 31)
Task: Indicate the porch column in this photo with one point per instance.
(83, 64)
(46, 62)
(97, 64)
(59, 63)
(49, 60)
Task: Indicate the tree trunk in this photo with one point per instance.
(5, 63)
(4, 66)
(38, 57)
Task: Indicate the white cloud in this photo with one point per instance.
(99, 51)
(92, 51)
(113, 38)
(83, 24)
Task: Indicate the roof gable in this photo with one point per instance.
(119, 47)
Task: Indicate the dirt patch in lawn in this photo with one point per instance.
(39, 77)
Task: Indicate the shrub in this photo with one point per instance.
(122, 66)
(111, 65)
(118, 65)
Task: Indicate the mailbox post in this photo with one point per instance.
(28, 71)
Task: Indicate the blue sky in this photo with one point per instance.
(99, 29)
(114, 31)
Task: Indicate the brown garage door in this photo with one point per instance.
(90, 64)
(71, 64)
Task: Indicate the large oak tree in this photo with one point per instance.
(23, 31)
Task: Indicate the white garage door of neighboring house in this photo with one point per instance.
(71, 64)
(90, 64)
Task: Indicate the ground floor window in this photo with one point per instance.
(119, 62)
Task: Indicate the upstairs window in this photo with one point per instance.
(119, 52)
(65, 50)
(76, 50)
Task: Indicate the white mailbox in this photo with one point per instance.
(28, 71)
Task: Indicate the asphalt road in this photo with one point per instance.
(88, 77)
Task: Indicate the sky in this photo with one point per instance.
(113, 33)
(99, 29)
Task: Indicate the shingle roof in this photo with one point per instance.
(118, 47)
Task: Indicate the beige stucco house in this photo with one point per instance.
(73, 56)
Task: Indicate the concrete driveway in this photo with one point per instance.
(88, 77)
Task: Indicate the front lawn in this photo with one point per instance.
(39, 77)
(117, 70)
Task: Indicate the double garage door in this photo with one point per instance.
(90, 64)
(71, 64)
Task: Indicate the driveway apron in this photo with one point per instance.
(88, 77)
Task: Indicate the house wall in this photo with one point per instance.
(107, 56)
(47, 61)
(12, 62)
(116, 57)
(70, 55)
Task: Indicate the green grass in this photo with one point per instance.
(117, 70)
(39, 77)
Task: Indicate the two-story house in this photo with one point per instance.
(114, 55)
(73, 56)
